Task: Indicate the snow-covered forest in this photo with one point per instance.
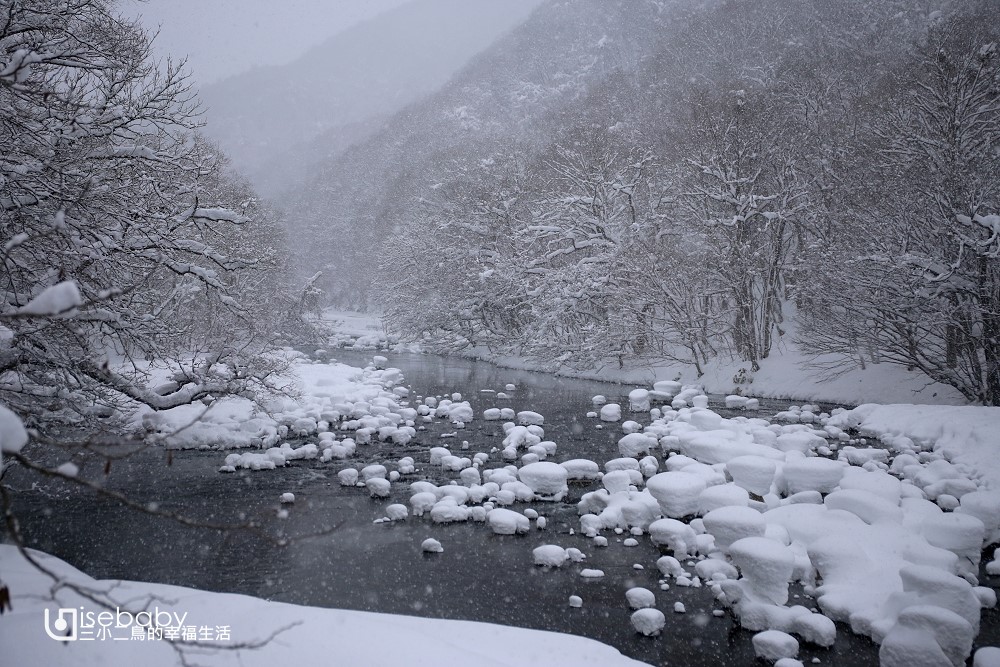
(551, 332)
(682, 181)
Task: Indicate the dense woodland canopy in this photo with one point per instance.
(673, 180)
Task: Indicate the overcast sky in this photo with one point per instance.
(224, 37)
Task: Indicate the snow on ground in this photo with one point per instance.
(966, 435)
(786, 373)
(359, 331)
(318, 394)
(313, 635)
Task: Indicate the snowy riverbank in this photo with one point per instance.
(965, 435)
(786, 374)
(301, 635)
(313, 389)
(363, 331)
(782, 376)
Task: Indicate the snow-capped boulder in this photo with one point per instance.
(676, 492)
(546, 479)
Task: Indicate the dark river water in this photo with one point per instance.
(360, 565)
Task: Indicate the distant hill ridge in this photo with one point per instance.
(511, 92)
(276, 121)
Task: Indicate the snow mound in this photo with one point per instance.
(396, 512)
(722, 495)
(987, 656)
(677, 492)
(753, 473)
(550, 555)
(640, 598)
(636, 444)
(775, 645)
(731, 524)
(638, 400)
(676, 535)
(648, 622)
(431, 546)
(529, 418)
(925, 636)
(812, 474)
(581, 469)
(546, 479)
(508, 522)
(766, 567)
(611, 412)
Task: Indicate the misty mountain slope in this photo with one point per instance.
(754, 47)
(761, 185)
(285, 168)
(571, 67)
(514, 91)
(367, 72)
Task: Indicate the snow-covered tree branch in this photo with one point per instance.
(125, 243)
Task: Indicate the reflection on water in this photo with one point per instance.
(480, 576)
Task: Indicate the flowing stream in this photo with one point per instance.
(360, 565)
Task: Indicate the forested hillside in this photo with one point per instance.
(661, 180)
(508, 95)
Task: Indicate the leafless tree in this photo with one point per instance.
(918, 258)
(107, 188)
